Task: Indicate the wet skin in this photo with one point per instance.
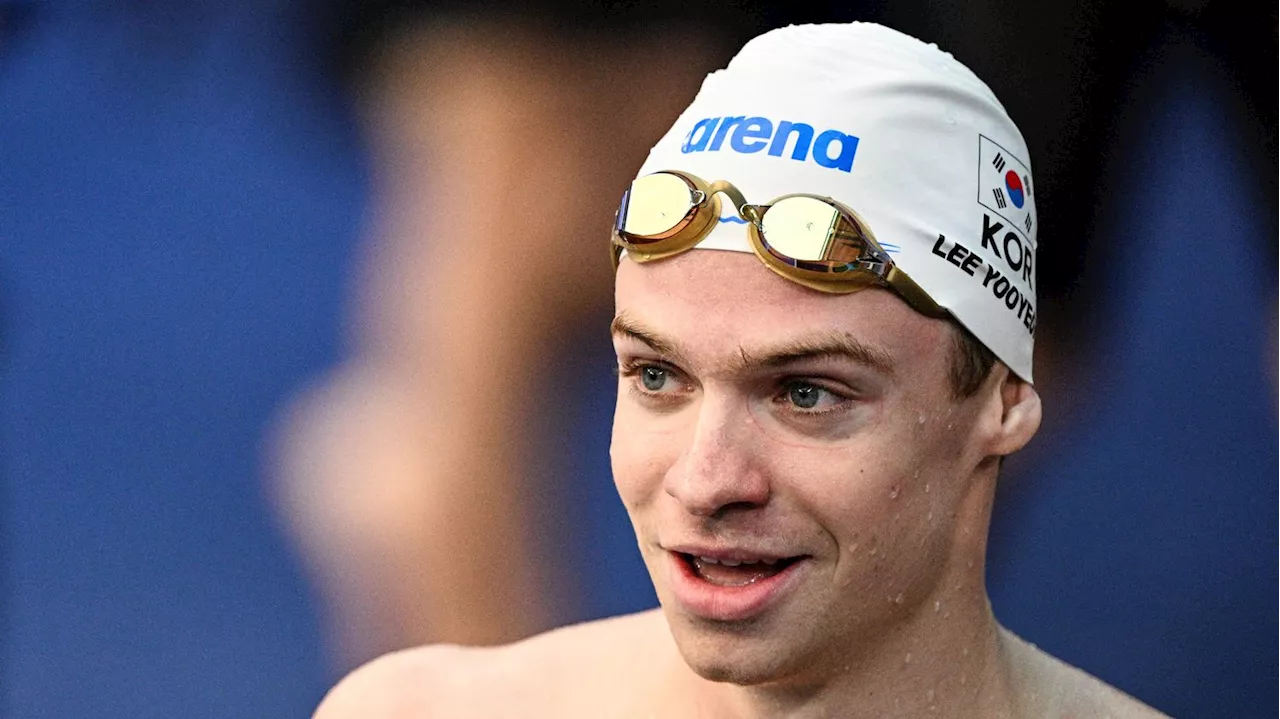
(757, 420)
(757, 416)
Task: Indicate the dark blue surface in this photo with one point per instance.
(178, 203)
(1139, 541)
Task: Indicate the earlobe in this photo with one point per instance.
(1020, 419)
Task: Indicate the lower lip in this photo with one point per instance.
(727, 604)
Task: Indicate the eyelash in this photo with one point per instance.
(841, 404)
(632, 369)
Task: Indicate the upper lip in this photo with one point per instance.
(733, 554)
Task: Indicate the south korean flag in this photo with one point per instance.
(1004, 186)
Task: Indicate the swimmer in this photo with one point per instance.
(824, 320)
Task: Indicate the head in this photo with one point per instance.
(810, 471)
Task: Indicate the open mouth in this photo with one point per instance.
(734, 573)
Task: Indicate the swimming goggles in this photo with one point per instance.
(809, 239)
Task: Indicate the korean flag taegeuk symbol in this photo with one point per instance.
(1004, 186)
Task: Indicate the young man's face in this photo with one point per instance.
(810, 439)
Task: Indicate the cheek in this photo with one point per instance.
(639, 459)
(907, 497)
(892, 536)
(854, 492)
(887, 496)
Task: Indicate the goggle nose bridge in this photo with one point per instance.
(750, 213)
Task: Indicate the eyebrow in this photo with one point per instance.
(832, 345)
(624, 325)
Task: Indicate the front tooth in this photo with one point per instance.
(709, 560)
(770, 561)
(730, 562)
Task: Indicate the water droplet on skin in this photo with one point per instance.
(907, 659)
(926, 487)
(920, 419)
(893, 493)
(937, 607)
(930, 518)
(898, 599)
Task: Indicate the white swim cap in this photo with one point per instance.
(896, 129)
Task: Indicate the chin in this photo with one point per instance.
(746, 654)
(740, 670)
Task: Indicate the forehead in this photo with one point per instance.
(719, 305)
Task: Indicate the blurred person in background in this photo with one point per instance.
(421, 477)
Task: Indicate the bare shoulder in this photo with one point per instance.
(589, 669)
(1053, 688)
(400, 684)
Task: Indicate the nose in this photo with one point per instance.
(719, 468)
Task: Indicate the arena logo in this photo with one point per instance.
(747, 135)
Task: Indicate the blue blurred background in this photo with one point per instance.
(184, 189)
(180, 199)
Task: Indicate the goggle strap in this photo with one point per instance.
(914, 294)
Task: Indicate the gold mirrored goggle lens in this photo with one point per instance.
(814, 234)
(800, 228)
(656, 207)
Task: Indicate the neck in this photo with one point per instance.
(928, 669)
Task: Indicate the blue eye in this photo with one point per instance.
(804, 396)
(810, 398)
(653, 378)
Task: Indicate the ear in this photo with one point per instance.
(1020, 415)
